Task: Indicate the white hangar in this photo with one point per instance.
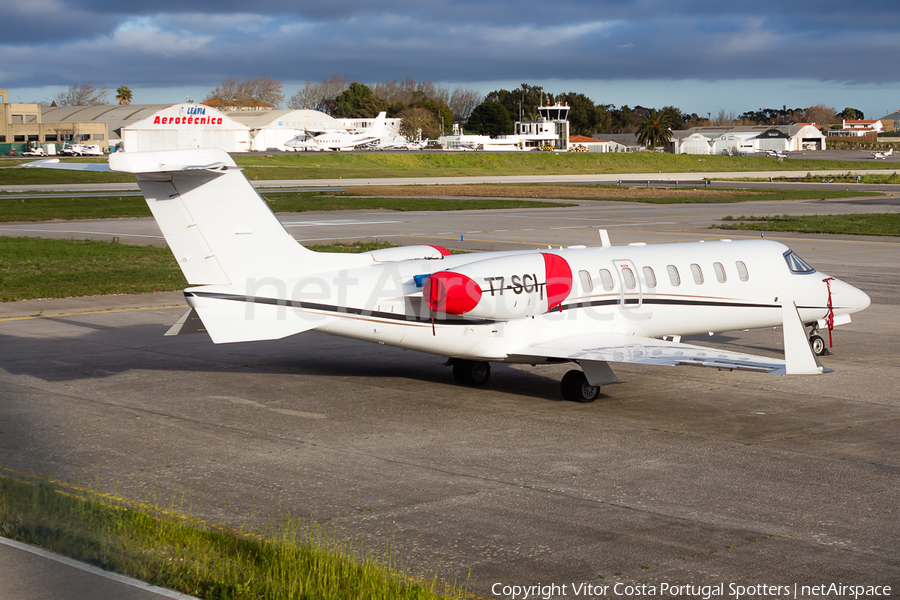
(147, 127)
(747, 139)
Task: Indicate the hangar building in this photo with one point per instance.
(747, 139)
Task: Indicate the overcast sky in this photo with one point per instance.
(698, 55)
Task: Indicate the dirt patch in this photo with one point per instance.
(549, 192)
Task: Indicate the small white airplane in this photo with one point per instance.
(882, 155)
(776, 154)
(341, 140)
(591, 306)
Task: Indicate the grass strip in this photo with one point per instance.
(412, 198)
(886, 178)
(303, 203)
(491, 164)
(886, 224)
(373, 165)
(291, 560)
(109, 207)
(50, 209)
(46, 268)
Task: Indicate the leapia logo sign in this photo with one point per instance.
(189, 115)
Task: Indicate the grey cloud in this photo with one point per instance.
(200, 43)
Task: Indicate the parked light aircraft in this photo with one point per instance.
(776, 154)
(592, 306)
(882, 155)
(340, 140)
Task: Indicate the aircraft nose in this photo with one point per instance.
(848, 299)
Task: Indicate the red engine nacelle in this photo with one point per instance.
(511, 287)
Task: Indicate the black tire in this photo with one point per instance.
(575, 387)
(471, 372)
(817, 343)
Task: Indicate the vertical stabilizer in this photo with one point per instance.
(379, 127)
(219, 229)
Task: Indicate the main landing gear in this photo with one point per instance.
(575, 387)
(574, 384)
(471, 372)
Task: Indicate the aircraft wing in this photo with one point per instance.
(615, 347)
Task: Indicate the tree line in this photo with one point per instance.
(426, 110)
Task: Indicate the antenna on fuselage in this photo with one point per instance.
(604, 238)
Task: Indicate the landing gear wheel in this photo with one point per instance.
(817, 343)
(471, 372)
(575, 387)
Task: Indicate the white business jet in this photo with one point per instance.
(590, 306)
(341, 140)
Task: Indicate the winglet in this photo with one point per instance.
(799, 358)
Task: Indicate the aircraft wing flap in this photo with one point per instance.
(615, 347)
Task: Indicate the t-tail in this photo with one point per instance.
(216, 224)
(226, 239)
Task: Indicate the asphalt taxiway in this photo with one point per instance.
(680, 476)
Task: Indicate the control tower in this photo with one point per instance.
(551, 129)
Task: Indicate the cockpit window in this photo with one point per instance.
(797, 264)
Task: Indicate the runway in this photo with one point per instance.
(680, 476)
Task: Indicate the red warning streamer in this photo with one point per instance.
(829, 319)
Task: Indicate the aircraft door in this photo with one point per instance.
(630, 292)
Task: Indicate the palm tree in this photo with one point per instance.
(655, 130)
(123, 95)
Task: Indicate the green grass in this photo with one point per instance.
(260, 167)
(750, 195)
(41, 268)
(365, 165)
(847, 177)
(859, 224)
(304, 203)
(290, 560)
(48, 209)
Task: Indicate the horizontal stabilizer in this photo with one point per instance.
(229, 318)
(54, 163)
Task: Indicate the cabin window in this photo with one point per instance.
(674, 278)
(720, 272)
(698, 274)
(586, 283)
(628, 276)
(797, 264)
(650, 277)
(742, 270)
(606, 279)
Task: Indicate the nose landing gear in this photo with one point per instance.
(817, 342)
